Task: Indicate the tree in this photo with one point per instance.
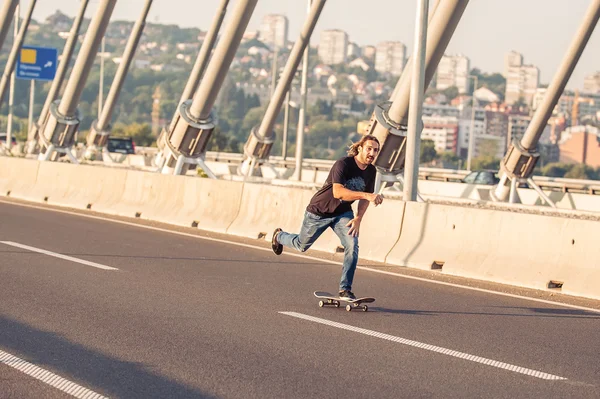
(488, 147)
(449, 156)
(485, 162)
(428, 152)
(252, 101)
(321, 131)
(252, 119)
(555, 169)
(219, 142)
(321, 107)
(495, 82)
(520, 103)
(449, 159)
(581, 171)
(451, 92)
(140, 133)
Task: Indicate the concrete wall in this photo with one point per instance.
(522, 249)
(575, 201)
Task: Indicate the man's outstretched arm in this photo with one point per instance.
(354, 224)
(362, 208)
(342, 193)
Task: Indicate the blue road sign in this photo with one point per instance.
(37, 63)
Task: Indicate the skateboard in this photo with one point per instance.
(328, 299)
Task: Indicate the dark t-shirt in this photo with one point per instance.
(345, 171)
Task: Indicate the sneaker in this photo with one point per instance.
(275, 245)
(347, 294)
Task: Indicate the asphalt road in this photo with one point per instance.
(186, 317)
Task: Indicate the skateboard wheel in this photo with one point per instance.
(336, 304)
(365, 308)
(348, 308)
(321, 304)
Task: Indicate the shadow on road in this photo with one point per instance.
(94, 370)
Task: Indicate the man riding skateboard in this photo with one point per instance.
(351, 178)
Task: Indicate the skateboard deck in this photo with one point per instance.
(328, 299)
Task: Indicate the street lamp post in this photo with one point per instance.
(472, 128)
(286, 123)
(101, 83)
(11, 93)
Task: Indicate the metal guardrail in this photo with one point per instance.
(591, 187)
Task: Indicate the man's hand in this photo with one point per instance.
(354, 226)
(377, 199)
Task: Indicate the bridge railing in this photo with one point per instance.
(449, 175)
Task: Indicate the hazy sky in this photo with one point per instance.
(540, 29)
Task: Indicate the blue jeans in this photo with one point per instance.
(313, 226)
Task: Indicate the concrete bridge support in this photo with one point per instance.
(196, 74)
(6, 16)
(65, 59)
(58, 133)
(98, 136)
(260, 141)
(389, 121)
(522, 156)
(186, 143)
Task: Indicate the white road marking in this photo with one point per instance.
(428, 347)
(48, 377)
(65, 257)
(365, 268)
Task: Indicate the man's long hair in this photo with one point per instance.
(353, 149)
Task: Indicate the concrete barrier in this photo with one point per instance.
(78, 186)
(533, 251)
(138, 194)
(380, 230)
(264, 208)
(523, 249)
(53, 180)
(210, 205)
(580, 202)
(425, 238)
(527, 250)
(17, 176)
(136, 160)
(449, 189)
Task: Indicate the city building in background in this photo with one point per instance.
(522, 81)
(574, 106)
(512, 59)
(517, 125)
(591, 83)
(333, 47)
(496, 126)
(390, 57)
(443, 131)
(274, 30)
(579, 145)
(464, 129)
(353, 51)
(369, 52)
(453, 70)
